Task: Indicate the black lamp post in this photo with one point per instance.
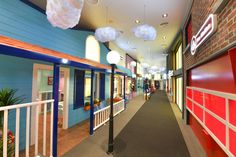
(113, 58)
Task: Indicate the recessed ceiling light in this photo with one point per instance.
(164, 15)
(137, 21)
(164, 37)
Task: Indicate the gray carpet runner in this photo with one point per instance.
(152, 132)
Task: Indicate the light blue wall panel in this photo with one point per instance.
(19, 21)
(17, 74)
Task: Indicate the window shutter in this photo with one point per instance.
(102, 87)
(79, 88)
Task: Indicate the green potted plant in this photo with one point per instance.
(87, 106)
(7, 97)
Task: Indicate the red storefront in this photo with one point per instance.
(210, 76)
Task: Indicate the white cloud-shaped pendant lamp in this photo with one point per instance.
(145, 32)
(64, 13)
(106, 34)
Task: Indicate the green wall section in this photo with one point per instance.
(42, 81)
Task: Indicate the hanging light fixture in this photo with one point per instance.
(106, 34)
(145, 31)
(145, 65)
(133, 64)
(64, 13)
(154, 68)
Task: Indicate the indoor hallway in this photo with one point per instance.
(144, 129)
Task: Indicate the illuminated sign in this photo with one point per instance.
(207, 29)
(170, 73)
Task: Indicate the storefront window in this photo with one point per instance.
(87, 86)
(179, 92)
(82, 87)
(179, 58)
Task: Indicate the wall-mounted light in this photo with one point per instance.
(64, 61)
(133, 64)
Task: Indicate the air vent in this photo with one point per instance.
(164, 24)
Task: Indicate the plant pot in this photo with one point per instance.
(86, 108)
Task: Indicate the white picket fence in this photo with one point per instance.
(28, 106)
(102, 116)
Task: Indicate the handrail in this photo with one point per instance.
(102, 116)
(108, 106)
(25, 105)
(101, 109)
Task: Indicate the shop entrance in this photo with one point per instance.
(42, 90)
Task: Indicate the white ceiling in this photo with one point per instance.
(122, 14)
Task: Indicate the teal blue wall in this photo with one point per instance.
(17, 74)
(19, 21)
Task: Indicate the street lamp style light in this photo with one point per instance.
(113, 57)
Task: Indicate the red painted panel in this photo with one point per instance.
(189, 93)
(216, 104)
(232, 112)
(211, 148)
(198, 97)
(189, 31)
(232, 142)
(198, 112)
(215, 75)
(189, 104)
(232, 54)
(216, 127)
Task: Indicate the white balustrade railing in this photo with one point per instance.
(28, 107)
(102, 116)
(197, 103)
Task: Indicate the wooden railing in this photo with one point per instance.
(215, 111)
(102, 116)
(28, 106)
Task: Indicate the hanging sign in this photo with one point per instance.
(170, 74)
(207, 29)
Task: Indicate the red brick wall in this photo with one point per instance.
(225, 34)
